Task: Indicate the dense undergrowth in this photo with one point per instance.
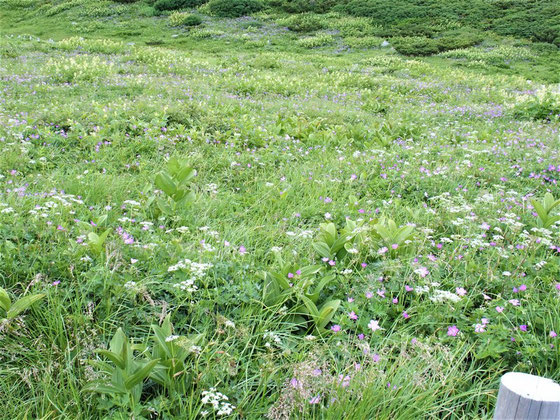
(276, 216)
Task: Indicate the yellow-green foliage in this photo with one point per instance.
(315, 41)
(79, 68)
(105, 46)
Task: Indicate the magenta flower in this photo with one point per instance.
(352, 315)
(335, 328)
(405, 315)
(499, 309)
(452, 331)
(553, 334)
(523, 327)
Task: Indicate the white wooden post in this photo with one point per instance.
(527, 397)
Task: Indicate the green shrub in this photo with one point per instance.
(234, 8)
(306, 22)
(161, 5)
(462, 38)
(304, 6)
(315, 41)
(184, 19)
(546, 108)
(415, 45)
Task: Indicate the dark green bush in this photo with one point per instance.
(161, 5)
(234, 8)
(415, 45)
(460, 38)
(537, 20)
(304, 6)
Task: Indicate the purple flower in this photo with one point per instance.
(315, 400)
(523, 327)
(452, 331)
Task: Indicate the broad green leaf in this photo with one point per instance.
(314, 296)
(311, 307)
(103, 236)
(22, 304)
(309, 270)
(140, 375)
(166, 184)
(403, 233)
(118, 341)
(281, 281)
(164, 206)
(327, 312)
(159, 338)
(548, 201)
(5, 301)
(550, 221)
(103, 388)
(543, 215)
(113, 357)
(185, 174)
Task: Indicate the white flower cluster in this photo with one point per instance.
(270, 338)
(441, 295)
(196, 269)
(218, 401)
(187, 286)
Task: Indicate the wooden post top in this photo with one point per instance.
(532, 387)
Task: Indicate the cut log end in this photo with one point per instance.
(527, 397)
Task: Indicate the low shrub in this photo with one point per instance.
(184, 19)
(306, 22)
(304, 6)
(546, 108)
(163, 5)
(415, 45)
(234, 8)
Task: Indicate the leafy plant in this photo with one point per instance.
(544, 209)
(334, 244)
(398, 240)
(172, 352)
(124, 375)
(300, 290)
(11, 309)
(174, 183)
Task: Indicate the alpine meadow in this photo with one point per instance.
(276, 209)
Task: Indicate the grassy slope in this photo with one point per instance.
(273, 128)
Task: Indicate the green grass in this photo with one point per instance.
(287, 132)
